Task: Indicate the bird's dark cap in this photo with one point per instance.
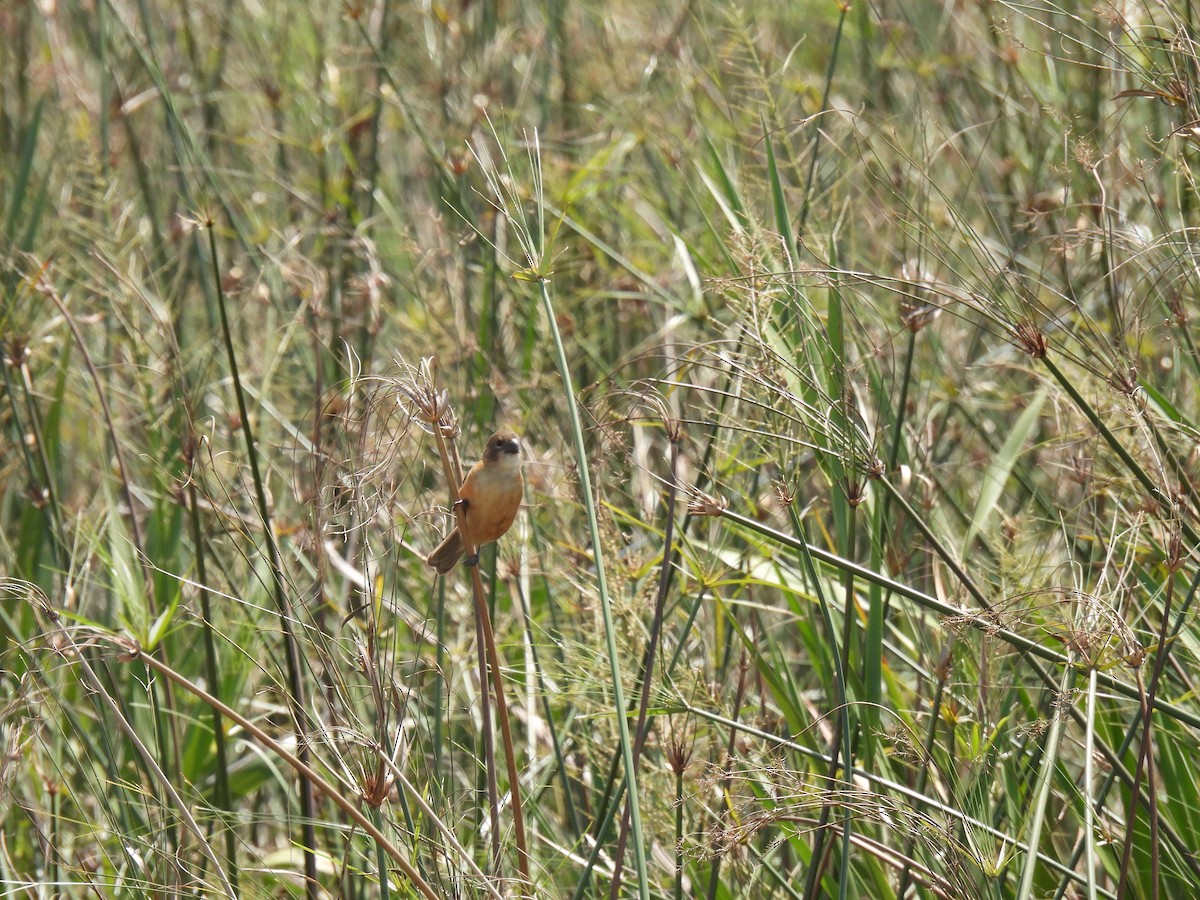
(500, 443)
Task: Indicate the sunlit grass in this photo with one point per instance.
(851, 353)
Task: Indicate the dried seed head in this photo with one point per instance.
(876, 468)
(702, 504)
(855, 492)
(916, 309)
(1030, 338)
(16, 351)
(784, 491)
(424, 403)
(375, 789)
(1125, 382)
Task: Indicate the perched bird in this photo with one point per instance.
(490, 496)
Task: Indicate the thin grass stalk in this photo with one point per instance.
(784, 886)
(606, 814)
(840, 752)
(564, 66)
(1044, 780)
(437, 739)
(291, 645)
(610, 636)
(434, 152)
(446, 832)
(103, 90)
(490, 769)
(932, 604)
(371, 157)
(1182, 847)
(1143, 769)
(135, 527)
(215, 76)
(615, 788)
(935, 709)
(488, 642)
(877, 613)
(560, 760)
(714, 870)
(693, 613)
(647, 676)
(22, 53)
(1178, 468)
(37, 463)
(189, 155)
(948, 558)
(1109, 438)
(1131, 730)
(502, 720)
(128, 730)
(167, 725)
(678, 887)
(189, 447)
(881, 782)
(20, 172)
(54, 853)
(802, 220)
(381, 741)
(648, 282)
(141, 172)
(1089, 775)
(1044, 504)
(1178, 319)
(1175, 562)
(307, 773)
(385, 889)
(376, 791)
(678, 755)
(850, 738)
(925, 877)
(212, 675)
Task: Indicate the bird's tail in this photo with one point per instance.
(447, 553)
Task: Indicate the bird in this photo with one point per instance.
(490, 496)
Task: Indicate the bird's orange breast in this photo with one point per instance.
(494, 497)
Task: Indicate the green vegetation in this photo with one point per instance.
(851, 352)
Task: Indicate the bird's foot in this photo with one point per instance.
(472, 560)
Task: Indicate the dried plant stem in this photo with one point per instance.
(488, 642)
(168, 787)
(386, 762)
(291, 647)
(222, 795)
(135, 527)
(727, 763)
(1045, 778)
(1145, 764)
(306, 771)
(452, 467)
